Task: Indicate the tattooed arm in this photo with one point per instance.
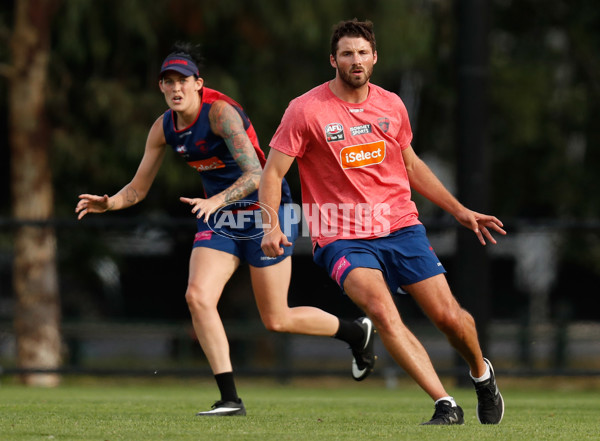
(139, 186)
(227, 123)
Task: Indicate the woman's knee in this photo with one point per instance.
(275, 322)
(199, 299)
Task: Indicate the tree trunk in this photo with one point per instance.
(37, 313)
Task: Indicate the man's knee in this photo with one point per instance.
(453, 321)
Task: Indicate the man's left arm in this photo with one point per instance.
(426, 183)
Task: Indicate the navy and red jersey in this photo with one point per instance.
(207, 152)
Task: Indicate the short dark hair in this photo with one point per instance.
(352, 28)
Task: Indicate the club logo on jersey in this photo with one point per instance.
(334, 132)
(362, 155)
(360, 130)
(207, 164)
(202, 146)
(384, 124)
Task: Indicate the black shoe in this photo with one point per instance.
(445, 414)
(225, 408)
(364, 359)
(490, 404)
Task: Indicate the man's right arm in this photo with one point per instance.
(269, 195)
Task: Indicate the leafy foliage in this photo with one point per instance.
(543, 85)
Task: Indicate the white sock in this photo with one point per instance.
(484, 377)
(447, 399)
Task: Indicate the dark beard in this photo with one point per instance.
(352, 82)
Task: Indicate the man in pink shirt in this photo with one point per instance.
(352, 143)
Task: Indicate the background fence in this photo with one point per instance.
(122, 285)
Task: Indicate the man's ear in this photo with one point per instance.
(332, 61)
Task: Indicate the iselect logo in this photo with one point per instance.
(362, 155)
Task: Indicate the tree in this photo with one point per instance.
(37, 314)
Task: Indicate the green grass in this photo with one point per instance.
(315, 410)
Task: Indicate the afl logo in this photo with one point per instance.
(182, 151)
(334, 132)
(242, 219)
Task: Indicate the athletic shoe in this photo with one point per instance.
(490, 404)
(445, 414)
(225, 408)
(364, 359)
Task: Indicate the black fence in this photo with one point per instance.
(122, 285)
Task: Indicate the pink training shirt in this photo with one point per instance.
(354, 181)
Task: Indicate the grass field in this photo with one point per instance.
(315, 410)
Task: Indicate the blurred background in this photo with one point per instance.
(502, 96)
